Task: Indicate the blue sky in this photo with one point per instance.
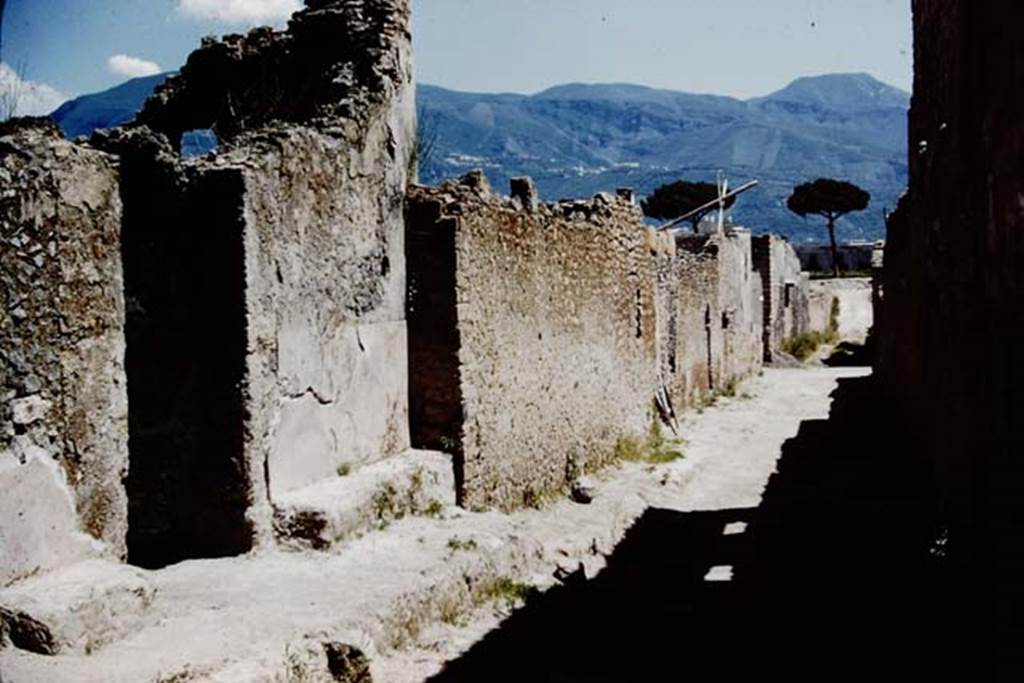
(741, 48)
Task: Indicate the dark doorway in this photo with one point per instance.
(188, 483)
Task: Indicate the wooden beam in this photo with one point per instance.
(710, 205)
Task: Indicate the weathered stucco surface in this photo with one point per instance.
(739, 303)
(952, 322)
(856, 314)
(555, 320)
(286, 245)
(785, 295)
(709, 314)
(63, 412)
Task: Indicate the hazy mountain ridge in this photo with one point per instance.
(579, 139)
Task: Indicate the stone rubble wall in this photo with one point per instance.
(541, 334)
(710, 315)
(856, 314)
(63, 407)
(266, 336)
(952, 323)
(786, 293)
(690, 342)
(554, 309)
(263, 330)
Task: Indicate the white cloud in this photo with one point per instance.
(132, 67)
(240, 11)
(19, 97)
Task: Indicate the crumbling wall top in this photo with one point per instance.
(473, 192)
(335, 61)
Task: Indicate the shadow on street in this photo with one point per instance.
(837, 575)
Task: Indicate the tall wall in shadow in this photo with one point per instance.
(952, 317)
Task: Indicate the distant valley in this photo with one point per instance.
(577, 140)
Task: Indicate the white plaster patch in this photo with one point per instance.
(40, 530)
(26, 411)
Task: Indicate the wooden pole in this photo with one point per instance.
(710, 205)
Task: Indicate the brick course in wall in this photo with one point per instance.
(785, 303)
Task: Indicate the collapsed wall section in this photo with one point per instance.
(785, 293)
(63, 407)
(270, 273)
(554, 340)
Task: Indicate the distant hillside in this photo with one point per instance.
(577, 140)
(83, 115)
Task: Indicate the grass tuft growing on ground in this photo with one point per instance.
(804, 346)
(507, 591)
(655, 449)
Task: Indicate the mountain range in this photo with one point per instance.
(579, 139)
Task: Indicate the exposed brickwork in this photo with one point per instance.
(784, 293)
(541, 334)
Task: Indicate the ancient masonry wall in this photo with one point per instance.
(785, 293)
(853, 295)
(269, 274)
(952, 321)
(541, 335)
(739, 302)
(554, 324)
(63, 407)
(708, 314)
(689, 343)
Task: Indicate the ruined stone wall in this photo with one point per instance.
(856, 314)
(271, 274)
(739, 303)
(690, 347)
(953, 324)
(785, 298)
(556, 336)
(63, 407)
(709, 317)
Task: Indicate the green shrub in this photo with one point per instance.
(804, 346)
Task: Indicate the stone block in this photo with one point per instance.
(77, 609)
(351, 503)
